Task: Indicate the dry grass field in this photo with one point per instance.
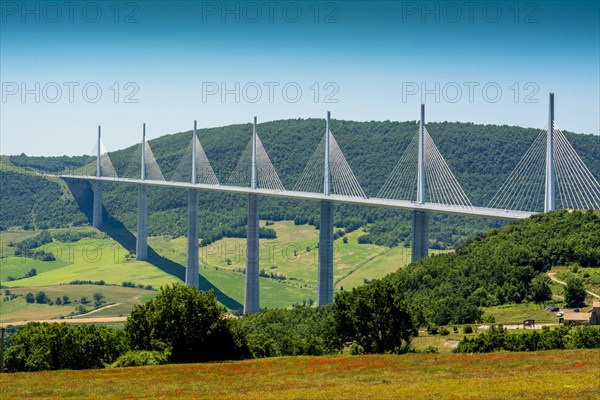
(567, 374)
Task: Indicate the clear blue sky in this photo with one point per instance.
(167, 64)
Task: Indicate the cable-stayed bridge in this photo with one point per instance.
(550, 175)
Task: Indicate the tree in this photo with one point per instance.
(539, 289)
(66, 299)
(190, 324)
(345, 240)
(575, 292)
(98, 299)
(374, 316)
(58, 301)
(41, 298)
(30, 298)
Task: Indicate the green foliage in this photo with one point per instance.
(50, 164)
(498, 338)
(539, 289)
(575, 292)
(189, 323)
(139, 358)
(299, 331)
(499, 266)
(32, 201)
(41, 298)
(30, 298)
(38, 347)
(467, 329)
(374, 316)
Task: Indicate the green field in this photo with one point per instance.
(119, 300)
(562, 374)
(293, 255)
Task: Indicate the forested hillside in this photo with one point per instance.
(481, 157)
(500, 266)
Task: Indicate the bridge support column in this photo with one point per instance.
(191, 269)
(97, 207)
(141, 245)
(420, 239)
(325, 281)
(251, 298)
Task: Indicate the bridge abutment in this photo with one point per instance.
(97, 206)
(420, 239)
(325, 279)
(251, 298)
(141, 245)
(191, 269)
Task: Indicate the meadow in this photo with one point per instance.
(293, 255)
(564, 374)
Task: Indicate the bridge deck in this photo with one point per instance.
(493, 213)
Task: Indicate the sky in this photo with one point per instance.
(67, 67)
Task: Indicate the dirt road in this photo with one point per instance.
(551, 275)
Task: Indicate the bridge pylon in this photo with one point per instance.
(420, 238)
(97, 188)
(192, 263)
(251, 295)
(549, 199)
(141, 244)
(325, 273)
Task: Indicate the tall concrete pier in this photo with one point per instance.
(549, 199)
(325, 277)
(420, 239)
(141, 245)
(251, 297)
(191, 269)
(97, 189)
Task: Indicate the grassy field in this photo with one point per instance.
(292, 254)
(566, 374)
(121, 299)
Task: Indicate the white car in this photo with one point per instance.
(560, 314)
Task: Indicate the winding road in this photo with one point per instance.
(551, 275)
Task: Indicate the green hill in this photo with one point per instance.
(501, 266)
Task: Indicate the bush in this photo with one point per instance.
(432, 329)
(496, 339)
(140, 357)
(356, 349)
(467, 329)
(444, 332)
(430, 350)
(38, 347)
(189, 323)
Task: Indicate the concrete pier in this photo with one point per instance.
(141, 245)
(251, 297)
(97, 207)
(191, 268)
(420, 239)
(325, 281)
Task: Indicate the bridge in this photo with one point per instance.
(421, 182)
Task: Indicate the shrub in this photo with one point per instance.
(189, 323)
(356, 349)
(430, 350)
(444, 332)
(467, 329)
(432, 329)
(37, 347)
(137, 358)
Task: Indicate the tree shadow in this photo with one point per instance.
(116, 230)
